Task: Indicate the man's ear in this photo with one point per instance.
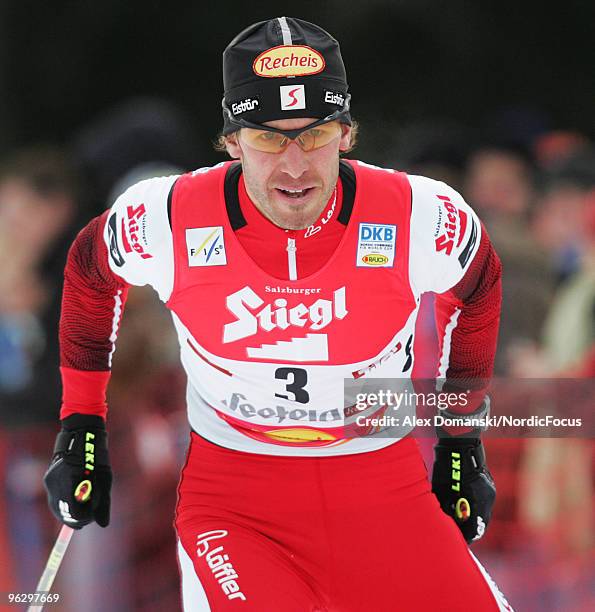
(232, 146)
(345, 142)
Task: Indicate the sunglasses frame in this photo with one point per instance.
(291, 134)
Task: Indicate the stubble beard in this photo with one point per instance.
(291, 220)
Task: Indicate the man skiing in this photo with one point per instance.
(287, 271)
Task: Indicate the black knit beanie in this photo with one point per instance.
(283, 68)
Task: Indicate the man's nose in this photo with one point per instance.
(294, 161)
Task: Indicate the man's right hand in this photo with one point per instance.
(79, 478)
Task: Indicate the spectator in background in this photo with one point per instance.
(568, 350)
(38, 196)
(557, 146)
(559, 225)
(37, 209)
(552, 493)
(141, 132)
(135, 140)
(566, 220)
(564, 223)
(499, 181)
(434, 147)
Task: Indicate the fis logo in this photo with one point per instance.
(205, 246)
(376, 245)
(293, 97)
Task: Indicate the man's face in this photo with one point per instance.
(290, 188)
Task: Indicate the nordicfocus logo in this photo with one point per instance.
(288, 60)
(252, 314)
(334, 97)
(249, 104)
(219, 564)
(293, 97)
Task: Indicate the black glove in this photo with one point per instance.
(463, 485)
(79, 478)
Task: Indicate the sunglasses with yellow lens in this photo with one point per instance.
(274, 140)
(277, 141)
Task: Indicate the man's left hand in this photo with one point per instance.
(463, 485)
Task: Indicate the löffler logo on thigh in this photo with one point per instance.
(219, 564)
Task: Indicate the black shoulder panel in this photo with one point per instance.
(347, 174)
(170, 197)
(232, 200)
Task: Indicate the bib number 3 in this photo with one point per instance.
(297, 379)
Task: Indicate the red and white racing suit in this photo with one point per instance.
(279, 507)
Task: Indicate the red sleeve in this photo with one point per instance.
(467, 318)
(92, 303)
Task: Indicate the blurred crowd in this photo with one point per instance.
(536, 197)
(535, 193)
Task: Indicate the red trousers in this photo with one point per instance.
(355, 533)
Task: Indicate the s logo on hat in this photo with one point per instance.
(293, 97)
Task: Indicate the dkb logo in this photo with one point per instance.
(376, 233)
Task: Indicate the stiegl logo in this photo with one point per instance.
(137, 218)
(218, 562)
(454, 218)
(247, 306)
